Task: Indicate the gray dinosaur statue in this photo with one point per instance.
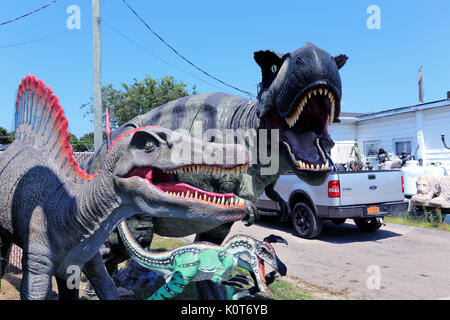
(60, 215)
(299, 94)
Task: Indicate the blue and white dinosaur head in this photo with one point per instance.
(300, 94)
(259, 253)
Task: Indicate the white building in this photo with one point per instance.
(415, 129)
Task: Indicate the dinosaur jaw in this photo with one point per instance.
(165, 181)
(303, 131)
(305, 126)
(262, 276)
(191, 193)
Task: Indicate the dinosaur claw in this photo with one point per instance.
(270, 278)
(252, 213)
(238, 280)
(275, 239)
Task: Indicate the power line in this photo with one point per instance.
(156, 57)
(30, 41)
(181, 56)
(29, 13)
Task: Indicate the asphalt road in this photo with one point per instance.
(396, 262)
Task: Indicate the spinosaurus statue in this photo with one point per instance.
(60, 215)
(202, 260)
(299, 94)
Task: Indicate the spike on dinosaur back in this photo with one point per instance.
(40, 122)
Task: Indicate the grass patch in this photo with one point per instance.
(284, 290)
(160, 243)
(425, 219)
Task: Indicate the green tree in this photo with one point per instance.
(73, 141)
(137, 98)
(86, 142)
(12, 136)
(5, 137)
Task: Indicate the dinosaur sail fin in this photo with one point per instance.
(40, 123)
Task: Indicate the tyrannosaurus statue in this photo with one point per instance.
(60, 215)
(202, 260)
(299, 94)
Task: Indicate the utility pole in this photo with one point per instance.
(420, 81)
(97, 74)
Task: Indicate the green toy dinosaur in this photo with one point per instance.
(206, 261)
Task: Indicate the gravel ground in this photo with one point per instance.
(396, 262)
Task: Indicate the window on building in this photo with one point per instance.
(371, 152)
(402, 146)
(371, 149)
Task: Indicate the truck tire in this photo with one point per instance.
(306, 224)
(368, 224)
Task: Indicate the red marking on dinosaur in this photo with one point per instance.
(126, 134)
(270, 246)
(45, 93)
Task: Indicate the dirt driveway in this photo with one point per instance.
(396, 262)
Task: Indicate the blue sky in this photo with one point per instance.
(220, 37)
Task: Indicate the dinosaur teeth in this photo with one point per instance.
(331, 112)
(216, 172)
(219, 201)
(292, 119)
(300, 164)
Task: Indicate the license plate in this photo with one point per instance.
(374, 209)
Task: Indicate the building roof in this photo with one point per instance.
(416, 107)
(351, 114)
(355, 116)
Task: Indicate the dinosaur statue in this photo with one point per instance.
(299, 94)
(60, 215)
(202, 260)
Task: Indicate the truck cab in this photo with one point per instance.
(364, 196)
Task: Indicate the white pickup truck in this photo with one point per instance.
(365, 196)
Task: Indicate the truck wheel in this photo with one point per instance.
(338, 221)
(305, 222)
(368, 224)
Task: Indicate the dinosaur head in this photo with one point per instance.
(300, 94)
(259, 252)
(145, 162)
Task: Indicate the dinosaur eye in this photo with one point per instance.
(149, 146)
(274, 68)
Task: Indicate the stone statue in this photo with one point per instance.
(427, 188)
(443, 200)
